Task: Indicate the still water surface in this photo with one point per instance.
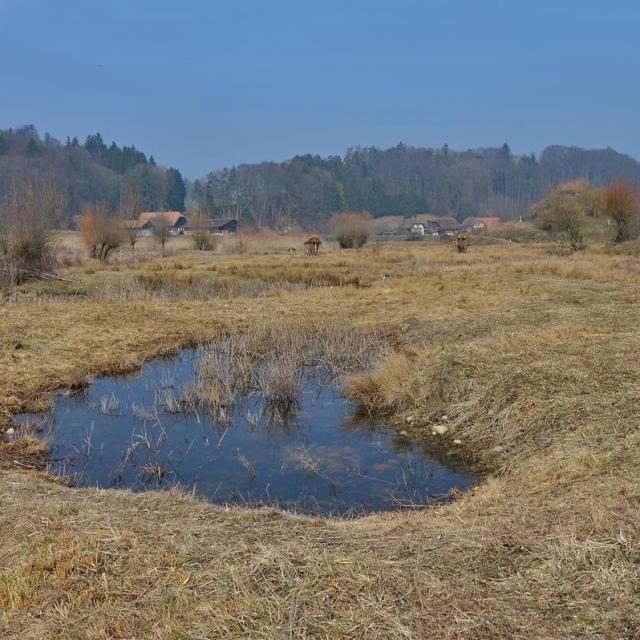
(321, 460)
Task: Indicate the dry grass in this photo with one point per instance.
(528, 358)
(71, 250)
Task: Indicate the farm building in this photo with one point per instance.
(146, 220)
(442, 227)
(144, 230)
(423, 218)
(417, 229)
(477, 225)
(215, 226)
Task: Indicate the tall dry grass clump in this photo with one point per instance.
(279, 380)
(406, 379)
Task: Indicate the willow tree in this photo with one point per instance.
(621, 205)
(101, 232)
(561, 211)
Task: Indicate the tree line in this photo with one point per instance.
(402, 180)
(88, 173)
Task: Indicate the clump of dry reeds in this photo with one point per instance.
(280, 381)
(269, 361)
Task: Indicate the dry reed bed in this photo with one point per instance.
(536, 372)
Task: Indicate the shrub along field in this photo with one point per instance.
(528, 358)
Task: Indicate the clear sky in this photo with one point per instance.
(205, 84)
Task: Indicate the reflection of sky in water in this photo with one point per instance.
(321, 461)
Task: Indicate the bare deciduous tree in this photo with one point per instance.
(162, 230)
(131, 232)
(26, 243)
(131, 205)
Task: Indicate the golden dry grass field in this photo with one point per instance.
(534, 358)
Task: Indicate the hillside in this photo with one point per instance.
(307, 189)
(402, 180)
(86, 173)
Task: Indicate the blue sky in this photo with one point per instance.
(205, 84)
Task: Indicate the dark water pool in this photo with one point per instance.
(322, 459)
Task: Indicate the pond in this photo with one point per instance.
(316, 457)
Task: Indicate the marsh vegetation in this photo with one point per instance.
(518, 355)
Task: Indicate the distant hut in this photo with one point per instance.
(312, 245)
(462, 242)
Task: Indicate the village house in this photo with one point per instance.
(145, 222)
(423, 218)
(145, 230)
(442, 227)
(418, 224)
(479, 224)
(417, 229)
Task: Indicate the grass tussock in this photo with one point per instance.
(528, 359)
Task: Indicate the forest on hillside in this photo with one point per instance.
(402, 180)
(305, 190)
(86, 173)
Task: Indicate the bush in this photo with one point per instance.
(200, 233)
(351, 230)
(203, 240)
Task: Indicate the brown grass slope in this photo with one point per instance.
(534, 360)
